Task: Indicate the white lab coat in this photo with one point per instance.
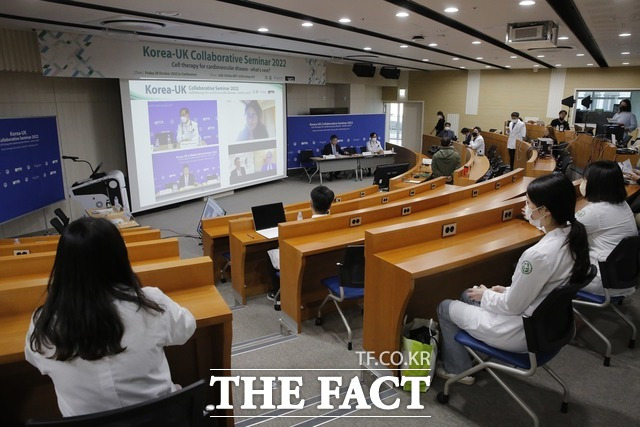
(478, 145)
(498, 320)
(516, 131)
(188, 132)
(373, 147)
(139, 373)
(607, 224)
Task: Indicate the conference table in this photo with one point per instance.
(355, 162)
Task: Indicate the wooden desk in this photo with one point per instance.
(586, 149)
(337, 164)
(56, 237)
(477, 166)
(413, 278)
(537, 166)
(500, 141)
(118, 218)
(27, 394)
(305, 253)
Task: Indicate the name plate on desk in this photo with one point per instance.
(367, 153)
(329, 156)
(388, 152)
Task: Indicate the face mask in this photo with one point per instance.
(475, 134)
(183, 119)
(583, 188)
(374, 140)
(624, 107)
(535, 222)
(514, 121)
(447, 128)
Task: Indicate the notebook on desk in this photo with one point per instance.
(266, 219)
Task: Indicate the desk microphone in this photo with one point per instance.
(74, 158)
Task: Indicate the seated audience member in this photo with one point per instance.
(466, 133)
(560, 123)
(321, 200)
(477, 141)
(373, 145)
(333, 148)
(494, 315)
(607, 218)
(445, 161)
(447, 132)
(99, 335)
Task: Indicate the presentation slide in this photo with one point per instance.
(314, 132)
(30, 169)
(189, 139)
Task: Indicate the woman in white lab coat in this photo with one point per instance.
(477, 141)
(607, 218)
(494, 315)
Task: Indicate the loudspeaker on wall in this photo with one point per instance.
(364, 70)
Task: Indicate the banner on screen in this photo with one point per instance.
(186, 139)
(30, 169)
(85, 55)
(314, 132)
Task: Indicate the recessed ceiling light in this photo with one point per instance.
(402, 14)
(307, 24)
(625, 53)
(563, 38)
(263, 29)
(527, 3)
(625, 63)
(403, 46)
(433, 44)
(536, 65)
(579, 54)
(367, 48)
(172, 13)
(513, 57)
(487, 66)
(479, 57)
(589, 65)
(425, 60)
(451, 10)
(344, 20)
(624, 34)
(507, 66)
(558, 65)
(476, 42)
(455, 59)
(463, 67)
(540, 56)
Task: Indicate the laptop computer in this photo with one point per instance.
(211, 210)
(266, 219)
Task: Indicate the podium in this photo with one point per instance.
(102, 192)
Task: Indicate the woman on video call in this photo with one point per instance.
(254, 128)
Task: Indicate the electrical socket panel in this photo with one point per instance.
(338, 199)
(362, 194)
(449, 230)
(21, 252)
(355, 221)
(433, 186)
(385, 200)
(507, 214)
(406, 210)
(474, 192)
(497, 185)
(412, 193)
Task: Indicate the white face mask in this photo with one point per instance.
(447, 128)
(583, 188)
(535, 222)
(514, 121)
(374, 140)
(183, 119)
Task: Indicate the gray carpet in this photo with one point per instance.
(600, 395)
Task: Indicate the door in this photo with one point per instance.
(404, 124)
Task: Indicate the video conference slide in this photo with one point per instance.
(189, 139)
(30, 168)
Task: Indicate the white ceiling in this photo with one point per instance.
(373, 24)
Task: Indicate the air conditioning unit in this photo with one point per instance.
(529, 35)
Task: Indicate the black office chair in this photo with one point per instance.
(363, 149)
(63, 217)
(184, 407)
(557, 150)
(347, 285)
(307, 164)
(547, 330)
(226, 267)
(621, 270)
(58, 225)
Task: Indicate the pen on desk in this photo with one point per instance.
(250, 236)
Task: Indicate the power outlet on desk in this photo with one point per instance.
(21, 252)
(385, 200)
(497, 185)
(474, 193)
(406, 210)
(412, 193)
(338, 199)
(514, 178)
(355, 221)
(362, 194)
(507, 214)
(449, 230)
(433, 186)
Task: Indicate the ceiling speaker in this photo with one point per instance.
(390, 72)
(364, 70)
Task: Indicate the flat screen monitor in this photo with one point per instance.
(268, 216)
(211, 210)
(384, 173)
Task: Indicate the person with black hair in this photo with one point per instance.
(445, 161)
(187, 129)
(321, 199)
(494, 315)
(517, 132)
(99, 335)
(373, 144)
(440, 125)
(254, 128)
(447, 132)
(560, 123)
(333, 148)
(466, 133)
(477, 141)
(607, 218)
(626, 119)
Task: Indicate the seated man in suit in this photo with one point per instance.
(186, 179)
(333, 148)
(448, 133)
(445, 161)
(238, 172)
(321, 200)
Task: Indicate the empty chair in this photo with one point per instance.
(307, 164)
(557, 150)
(363, 149)
(58, 225)
(547, 330)
(347, 285)
(226, 267)
(621, 270)
(63, 217)
(184, 407)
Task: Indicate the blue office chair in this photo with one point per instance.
(227, 266)
(347, 285)
(184, 407)
(547, 330)
(621, 270)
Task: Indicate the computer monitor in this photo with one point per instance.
(384, 173)
(268, 216)
(616, 130)
(211, 210)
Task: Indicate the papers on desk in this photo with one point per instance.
(626, 166)
(367, 154)
(426, 162)
(388, 152)
(329, 156)
(269, 233)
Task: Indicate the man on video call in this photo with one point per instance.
(186, 179)
(333, 148)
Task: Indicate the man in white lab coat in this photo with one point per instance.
(517, 132)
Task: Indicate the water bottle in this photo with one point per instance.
(16, 241)
(300, 217)
(117, 207)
